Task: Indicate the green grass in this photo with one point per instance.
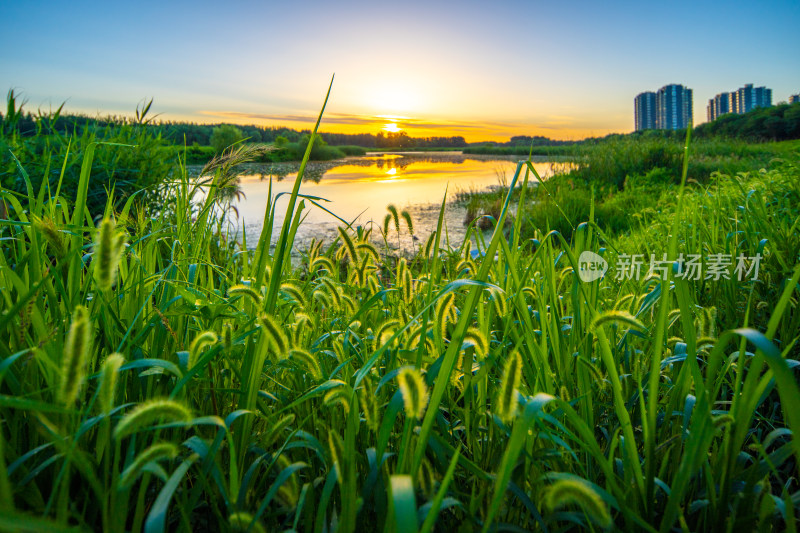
(523, 150)
(157, 375)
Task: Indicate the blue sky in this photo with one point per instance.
(478, 69)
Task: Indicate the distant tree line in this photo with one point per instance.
(535, 140)
(777, 123)
(193, 134)
(391, 139)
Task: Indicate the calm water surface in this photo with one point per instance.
(359, 189)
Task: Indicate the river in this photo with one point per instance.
(358, 189)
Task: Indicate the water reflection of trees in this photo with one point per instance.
(402, 163)
(315, 170)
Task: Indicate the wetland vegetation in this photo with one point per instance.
(158, 374)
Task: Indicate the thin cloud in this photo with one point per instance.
(333, 118)
(366, 120)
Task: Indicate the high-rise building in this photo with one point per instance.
(644, 110)
(719, 105)
(794, 99)
(748, 98)
(669, 108)
(673, 107)
(740, 101)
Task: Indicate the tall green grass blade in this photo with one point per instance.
(284, 243)
(403, 504)
(157, 517)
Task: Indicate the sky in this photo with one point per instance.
(484, 70)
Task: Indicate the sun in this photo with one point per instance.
(391, 127)
(394, 97)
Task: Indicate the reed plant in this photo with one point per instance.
(169, 377)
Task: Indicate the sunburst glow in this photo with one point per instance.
(391, 126)
(394, 98)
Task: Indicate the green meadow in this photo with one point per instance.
(157, 374)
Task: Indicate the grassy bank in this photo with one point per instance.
(523, 150)
(622, 180)
(129, 155)
(155, 374)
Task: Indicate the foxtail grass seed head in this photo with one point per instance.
(507, 395)
(303, 320)
(308, 362)
(275, 336)
(322, 299)
(373, 284)
(571, 491)
(408, 286)
(445, 313)
(246, 291)
(369, 250)
(301, 325)
(206, 338)
(76, 354)
(348, 304)
(499, 303)
(369, 405)
(395, 217)
(338, 396)
(386, 221)
(429, 244)
(464, 267)
(416, 337)
(315, 249)
(409, 223)
(295, 292)
(348, 245)
(156, 452)
(478, 341)
(108, 248)
(332, 290)
(108, 381)
(624, 301)
(149, 413)
(340, 254)
(426, 479)
(723, 420)
(275, 430)
(242, 521)
(710, 329)
(563, 393)
(52, 235)
(358, 274)
(616, 316)
(386, 331)
(402, 267)
(414, 391)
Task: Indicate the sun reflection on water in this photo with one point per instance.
(361, 188)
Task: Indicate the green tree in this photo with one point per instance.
(224, 136)
(317, 151)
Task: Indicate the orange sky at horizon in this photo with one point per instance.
(472, 131)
